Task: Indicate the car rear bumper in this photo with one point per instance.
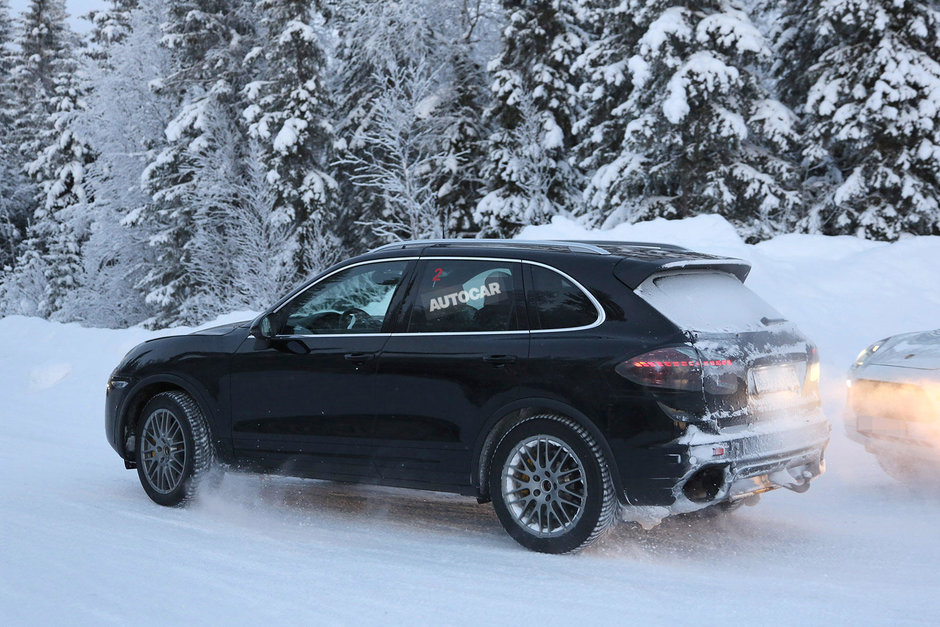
(701, 469)
(894, 437)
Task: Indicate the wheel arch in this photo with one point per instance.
(143, 391)
(508, 415)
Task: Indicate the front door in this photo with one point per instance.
(457, 359)
(307, 397)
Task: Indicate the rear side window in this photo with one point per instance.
(461, 296)
(710, 302)
(559, 303)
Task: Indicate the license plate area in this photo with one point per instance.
(774, 379)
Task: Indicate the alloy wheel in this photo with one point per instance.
(544, 486)
(163, 451)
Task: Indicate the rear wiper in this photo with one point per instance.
(769, 321)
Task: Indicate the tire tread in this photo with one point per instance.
(203, 451)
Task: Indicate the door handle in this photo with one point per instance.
(499, 360)
(359, 358)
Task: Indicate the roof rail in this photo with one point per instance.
(583, 247)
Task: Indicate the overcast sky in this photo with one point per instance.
(76, 9)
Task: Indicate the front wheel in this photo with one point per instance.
(174, 454)
(900, 468)
(550, 485)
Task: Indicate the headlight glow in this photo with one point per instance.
(866, 354)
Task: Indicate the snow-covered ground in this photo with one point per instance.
(80, 542)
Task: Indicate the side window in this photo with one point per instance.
(454, 296)
(559, 303)
(354, 300)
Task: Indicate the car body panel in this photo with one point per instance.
(918, 351)
(303, 398)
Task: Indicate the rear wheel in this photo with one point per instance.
(174, 454)
(550, 485)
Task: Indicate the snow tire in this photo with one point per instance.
(187, 471)
(521, 448)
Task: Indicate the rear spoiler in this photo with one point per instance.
(633, 271)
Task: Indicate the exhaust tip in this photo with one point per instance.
(705, 484)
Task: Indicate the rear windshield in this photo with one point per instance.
(709, 302)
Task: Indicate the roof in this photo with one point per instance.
(579, 246)
(634, 261)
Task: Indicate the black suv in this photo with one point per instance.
(557, 379)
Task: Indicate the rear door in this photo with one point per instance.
(460, 353)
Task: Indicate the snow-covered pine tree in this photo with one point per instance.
(402, 149)
(795, 47)
(868, 75)
(110, 25)
(47, 93)
(124, 121)
(43, 41)
(604, 76)
(701, 132)
(15, 193)
(289, 118)
(60, 225)
(458, 182)
(532, 75)
(6, 66)
(376, 40)
(208, 41)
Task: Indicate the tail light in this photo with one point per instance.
(811, 384)
(682, 368)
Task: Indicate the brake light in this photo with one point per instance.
(683, 368)
(675, 368)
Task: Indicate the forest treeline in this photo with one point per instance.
(186, 158)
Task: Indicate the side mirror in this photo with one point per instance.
(263, 327)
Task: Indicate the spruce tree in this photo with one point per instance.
(110, 25)
(868, 79)
(48, 260)
(377, 40)
(528, 174)
(7, 61)
(289, 116)
(208, 41)
(59, 226)
(124, 120)
(701, 132)
(603, 69)
(459, 183)
(15, 193)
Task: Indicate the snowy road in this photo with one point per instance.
(81, 543)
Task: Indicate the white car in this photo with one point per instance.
(893, 404)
